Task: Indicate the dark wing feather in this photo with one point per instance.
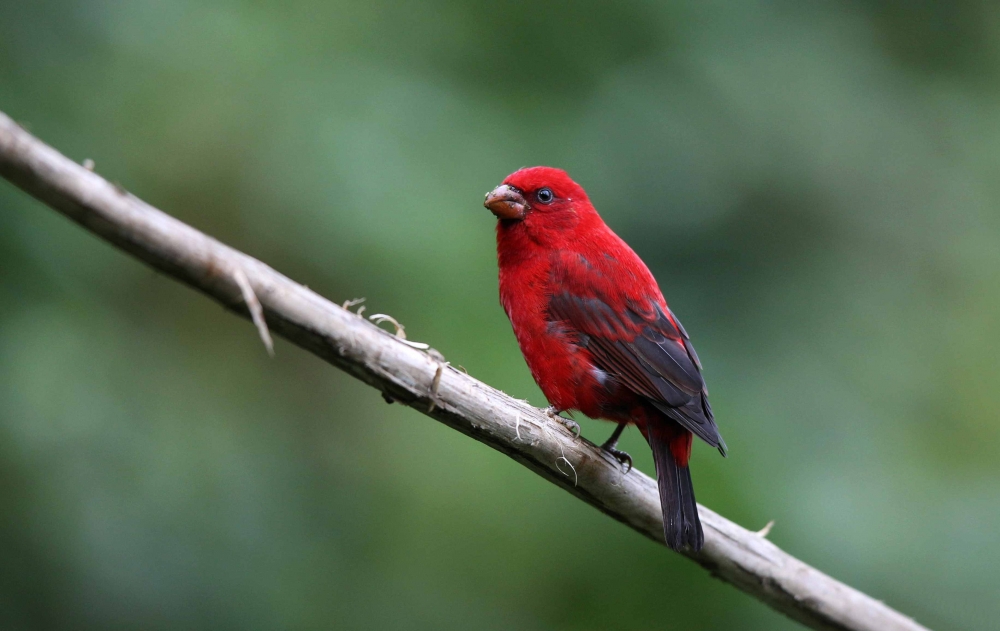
(649, 353)
(667, 357)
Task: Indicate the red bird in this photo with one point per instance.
(598, 335)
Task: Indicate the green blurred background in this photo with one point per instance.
(814, 184)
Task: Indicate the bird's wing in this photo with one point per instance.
(638, 342)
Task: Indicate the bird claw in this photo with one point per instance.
(621, 456)
(569, 424)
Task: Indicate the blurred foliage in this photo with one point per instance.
(814, 185)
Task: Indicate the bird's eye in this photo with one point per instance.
(545, 195)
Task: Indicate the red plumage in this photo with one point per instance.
(596, 332)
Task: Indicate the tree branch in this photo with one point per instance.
(424, 382)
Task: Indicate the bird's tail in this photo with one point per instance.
(681, 526)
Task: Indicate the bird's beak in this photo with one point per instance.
(506, 202)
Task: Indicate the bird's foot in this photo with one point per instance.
(610, 445)
(619, 455)
(569, 424)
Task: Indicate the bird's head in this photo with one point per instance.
(539, 200)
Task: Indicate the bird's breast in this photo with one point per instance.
(561, 366)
